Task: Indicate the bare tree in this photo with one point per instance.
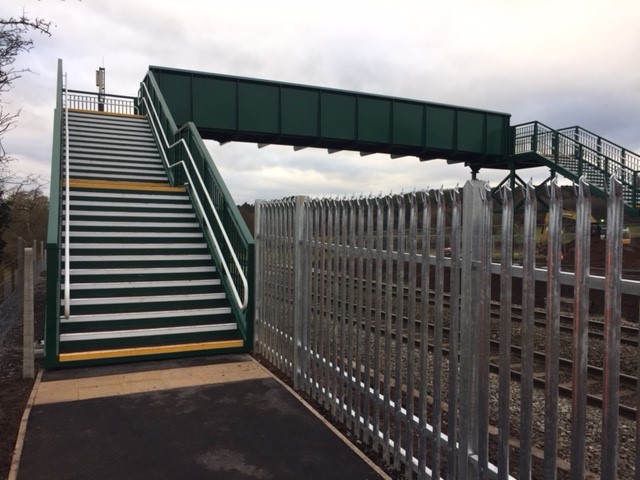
(14, 40)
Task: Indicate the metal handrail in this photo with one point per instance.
(111, 103)
(623, 153)
(567, 139)
(242, 303)
(67, 259)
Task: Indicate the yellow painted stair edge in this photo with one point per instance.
(156, 350)
(123, 185)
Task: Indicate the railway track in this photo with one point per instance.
(595, 373)
(629, 337)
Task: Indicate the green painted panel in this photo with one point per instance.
(299, 112)
(228, 108)
(258, 107)
(495, 134)
(440, 127)
(177, 93)
(374, 116)
(215, 102)
(470, 131)
(338, 116)
(408, 123)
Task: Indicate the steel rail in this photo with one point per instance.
(244, 301)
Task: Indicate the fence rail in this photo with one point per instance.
(425, 397)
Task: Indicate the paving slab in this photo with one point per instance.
(215, 418)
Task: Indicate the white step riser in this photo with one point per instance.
(109, 143)
(83, 223)
(145, 299)
(125, 235)
(119, 174)
(97, 157)
(129, 214)
(135, 258)
(78, 163)
(210, 282)
(79, 130)
(131, 196)
(124, 205)
(108, 317)
(139, 271)
(141, 246)
(113, 154)
(137, 178)
(149, 332)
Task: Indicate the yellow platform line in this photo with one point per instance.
(111, 114)
(123, 185)
(158, 350)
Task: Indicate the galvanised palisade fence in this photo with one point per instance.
(380, 310)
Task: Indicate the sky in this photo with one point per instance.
(561, 62)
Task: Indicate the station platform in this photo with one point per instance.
(221, 417)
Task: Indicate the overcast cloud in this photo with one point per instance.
(563, 63)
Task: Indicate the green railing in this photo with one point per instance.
(603, 146)
(576, 156)
(54, 235)
(232, 225)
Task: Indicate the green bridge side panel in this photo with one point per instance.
(227, 108)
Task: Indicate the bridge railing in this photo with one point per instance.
(605, 147)
(108, 103)
(566, 150)
(340, 281)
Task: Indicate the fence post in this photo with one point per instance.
(612, 308)
(258, 277)
(28, 369)
(17, 281)
(472, 215)
(301, 292)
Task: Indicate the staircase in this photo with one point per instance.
(142, 279)
(574, 152)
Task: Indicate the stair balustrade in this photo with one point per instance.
(243, 301)
(576, 153)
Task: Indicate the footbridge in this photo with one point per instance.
(147, 253)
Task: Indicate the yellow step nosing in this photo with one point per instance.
(156, 350)
(122, 185)
(112, 114)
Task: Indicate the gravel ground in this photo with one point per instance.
(14, 390)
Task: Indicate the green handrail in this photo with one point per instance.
(568, 154)
(240, 238)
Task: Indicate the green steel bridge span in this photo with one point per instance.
(227, 108)
(147, 254)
